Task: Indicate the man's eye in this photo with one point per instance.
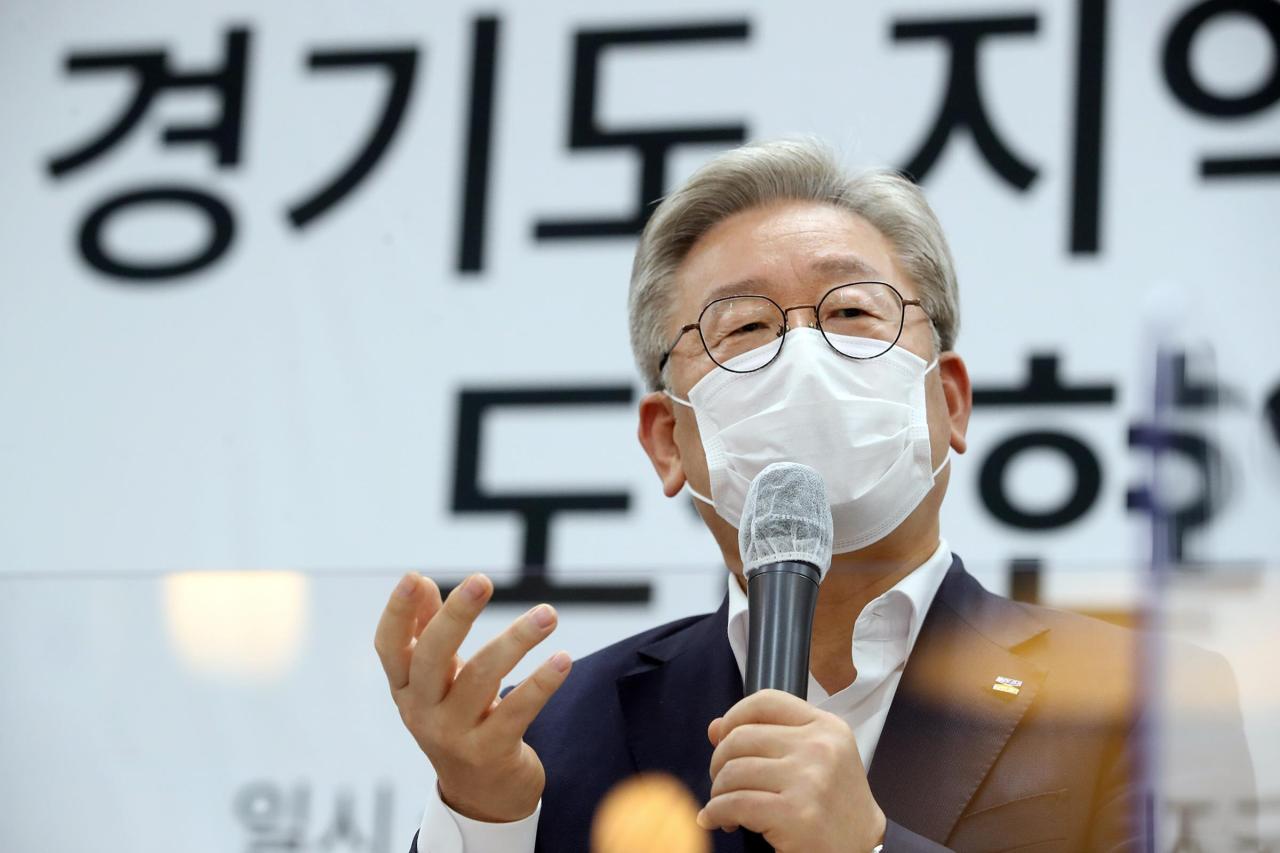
(748, 328)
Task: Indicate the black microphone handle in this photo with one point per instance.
(781, 598)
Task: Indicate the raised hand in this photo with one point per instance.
(473, 739)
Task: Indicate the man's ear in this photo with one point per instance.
(657, 434)
(958, 392)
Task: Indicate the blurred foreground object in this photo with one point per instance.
(649, 813)
(1200, 588)
(245, 625)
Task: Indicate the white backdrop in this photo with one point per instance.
(294, 409)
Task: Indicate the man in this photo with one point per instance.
(781, 309)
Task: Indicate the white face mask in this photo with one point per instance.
(860, 424)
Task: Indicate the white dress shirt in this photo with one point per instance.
(883, 636)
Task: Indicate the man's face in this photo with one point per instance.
(792, 252)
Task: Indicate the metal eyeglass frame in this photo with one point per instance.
(786, 326)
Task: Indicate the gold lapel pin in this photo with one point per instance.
(1005, 684)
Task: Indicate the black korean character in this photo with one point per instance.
(1178, 390)
(652, 145)
(1180, 77)
(1042, 388)
(275, 819)
(154, 76)
(536, 508)
(478, 144)
(344, 833)
(1024, 579)
(399, 64)
(963, 107)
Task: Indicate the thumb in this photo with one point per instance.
(713, 731)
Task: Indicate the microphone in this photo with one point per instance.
(785, 538)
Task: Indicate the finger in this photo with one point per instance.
(519, 707)
(412, 604)
(749, 809)
(749, 773)
(767, 706)
(713, 733)
(430, 606)
(480, 678)
(433, 664)
(752, 739)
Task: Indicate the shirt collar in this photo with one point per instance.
(918, 587)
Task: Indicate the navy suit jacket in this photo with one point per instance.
(959, 766)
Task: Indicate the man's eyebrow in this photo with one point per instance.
(741, 287)
(851, 265)
(845, 265)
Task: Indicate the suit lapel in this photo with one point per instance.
(947, 725)
(684, 681)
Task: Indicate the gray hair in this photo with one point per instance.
(784, 170)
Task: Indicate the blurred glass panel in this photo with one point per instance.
(233, 708)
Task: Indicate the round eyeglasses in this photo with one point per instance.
(860, 320)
